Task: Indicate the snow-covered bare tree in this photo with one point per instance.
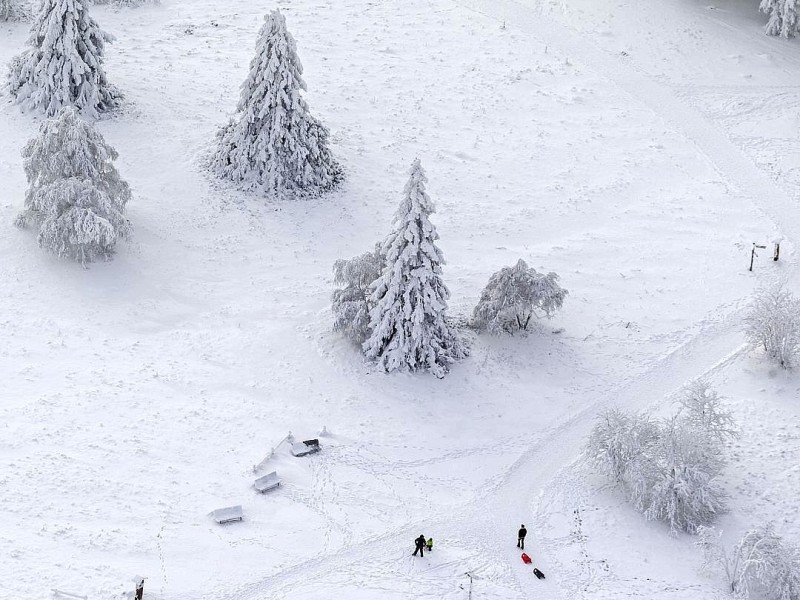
(14, 10)
(64, 64)
(667, 469)
(701, 409)
(514, 295)
(761, 565)
(773, 323)
(618, 439)
(683, 470)
(409, 328)
(783, 17)
(273, 143)
(75, 193)
(351, 301)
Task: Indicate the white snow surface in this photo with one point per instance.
(637, 153)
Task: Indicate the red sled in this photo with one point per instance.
(526, 559)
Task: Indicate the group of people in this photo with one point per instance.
(421, 544)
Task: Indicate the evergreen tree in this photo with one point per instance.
(273, 143)
(783, 17)
(64, 65)
(75, 193)
(13, 10)
(409, 330)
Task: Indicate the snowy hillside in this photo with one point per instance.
(637, 153)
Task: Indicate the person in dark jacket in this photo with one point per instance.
(521, 537)
(419, 544)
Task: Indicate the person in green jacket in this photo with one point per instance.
(429, 544)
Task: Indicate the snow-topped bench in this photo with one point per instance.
(305, 447)
(268, 482)
(227, 514)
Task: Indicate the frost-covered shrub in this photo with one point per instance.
(701, 409)
(75, 195)
(783, 17)
(761, 566)
(409, 329)
(617, 441)
(351, 302)
(14, 10)
(64, 64)
(774, 323)
(682, 470)
(273, 143)
(514, 295)
(667, 469)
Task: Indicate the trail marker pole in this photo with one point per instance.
(468, 574)
(753, 254)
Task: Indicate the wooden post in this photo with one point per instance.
(139, 589)
(753, 254)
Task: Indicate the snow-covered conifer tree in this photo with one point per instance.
(351, 303)
(783, 17)
(409, 329)
(14, 10)
(75, 193)
(515, 294)
(774, 323)
(64, 65)
(273, 143)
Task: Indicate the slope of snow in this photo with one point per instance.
(140, 393)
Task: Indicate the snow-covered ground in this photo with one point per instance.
(636, 151)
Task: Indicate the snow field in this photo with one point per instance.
(139, 393)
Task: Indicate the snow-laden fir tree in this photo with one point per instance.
(409, 328)
(75, 195)
(273, 143)
(773, 322)
(64, 64)
(514, 295)
(783, 17)
(14, 10)
(351, 302)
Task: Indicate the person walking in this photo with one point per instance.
(429, 544)
(521, 537)
(419, 544)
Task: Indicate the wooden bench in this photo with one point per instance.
(306, 447)
(266, 483)
(227, 514)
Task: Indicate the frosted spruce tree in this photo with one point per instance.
(14, 10)
(75, 195)
(783, 17)
(409, 330)
(273, 144)
(64, 64)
